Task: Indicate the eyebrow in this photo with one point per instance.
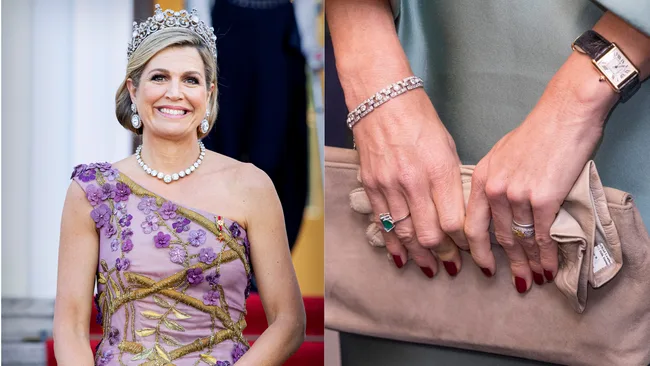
(184, 74)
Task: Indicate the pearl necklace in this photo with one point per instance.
(167, 178)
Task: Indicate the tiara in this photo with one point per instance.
(172, 19)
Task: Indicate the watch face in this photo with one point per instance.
(615, 66)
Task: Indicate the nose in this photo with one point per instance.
(173, 91)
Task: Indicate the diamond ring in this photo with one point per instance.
(388, 222)
(523, 231)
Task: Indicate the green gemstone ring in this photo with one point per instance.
(388, 222)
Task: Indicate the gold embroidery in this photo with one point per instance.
(170, 340)
(180, 315)
(194, 216)
(210, 360)
(145, 332)
(130, 347)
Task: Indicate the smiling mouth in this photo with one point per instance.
(172, 112)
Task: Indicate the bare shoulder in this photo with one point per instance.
(246, 177)
(125, 164)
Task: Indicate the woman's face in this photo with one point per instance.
(172, 95)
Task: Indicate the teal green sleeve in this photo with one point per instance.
(635, 12)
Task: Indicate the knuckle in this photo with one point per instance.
(405, 234)
(495, 189)
(517, 195)
(429, 239)
(384, 181)
(472, 233)
(407, 177)
(369, 181)
(505, 240)
(543, 240)
(542, 201)
(451, 226)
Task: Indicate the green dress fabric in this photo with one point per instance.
(485, 65)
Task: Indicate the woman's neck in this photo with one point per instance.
(169, 156)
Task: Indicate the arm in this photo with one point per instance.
(78, 253)
(559, 136)
(400, 171)
(276, 278)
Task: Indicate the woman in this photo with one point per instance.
(173, 253)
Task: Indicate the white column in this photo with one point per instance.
(65, 59)
(16, 144)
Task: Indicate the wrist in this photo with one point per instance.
(361, 80)
(578, 84)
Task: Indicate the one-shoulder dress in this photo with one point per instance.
(172, 280)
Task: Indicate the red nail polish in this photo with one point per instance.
(538, 278)
(451, 268)
(427, 271)
(486, 272)
(398, 261)
(549, 275)
(520, 283)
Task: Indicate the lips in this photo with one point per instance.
(172, 111)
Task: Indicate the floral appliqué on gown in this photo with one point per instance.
(172, 280)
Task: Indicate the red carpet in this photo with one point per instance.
(311, 352)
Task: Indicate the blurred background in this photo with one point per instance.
(62, 61)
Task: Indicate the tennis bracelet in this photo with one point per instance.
(383, 96)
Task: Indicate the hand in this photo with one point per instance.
(409, 164)
(529, 172)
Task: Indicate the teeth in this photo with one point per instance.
(176, 112)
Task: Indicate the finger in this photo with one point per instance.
(523, 215)
(495, 191)
(544, 213)
(477, 224)
(428, 233)
(405, 231)
(393, 245)
(447, 193)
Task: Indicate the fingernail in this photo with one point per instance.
(451, 268)
(538, 278)
(398, 261)
(520, 283)
(486, 272)
(427, 271)
(549, 275)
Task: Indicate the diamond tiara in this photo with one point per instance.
(172, 19)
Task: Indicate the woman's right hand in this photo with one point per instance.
(409, 162)
(409, 165)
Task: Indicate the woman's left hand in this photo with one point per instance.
(527, 175)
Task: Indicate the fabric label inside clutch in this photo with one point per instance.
(602, 258)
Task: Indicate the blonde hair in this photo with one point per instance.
(160, 40)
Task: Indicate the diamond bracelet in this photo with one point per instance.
(383, 96)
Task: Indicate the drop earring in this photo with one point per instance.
(205, 125)
(135, 119)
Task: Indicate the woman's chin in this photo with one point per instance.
(172, 129)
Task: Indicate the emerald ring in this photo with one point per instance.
(388, 222)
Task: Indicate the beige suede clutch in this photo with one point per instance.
(596, 312)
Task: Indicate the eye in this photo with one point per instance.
(158, 77)
(193, 80)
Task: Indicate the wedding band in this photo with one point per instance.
(387, 221)
(523, 230)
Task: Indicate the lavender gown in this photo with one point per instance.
(172, 280)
